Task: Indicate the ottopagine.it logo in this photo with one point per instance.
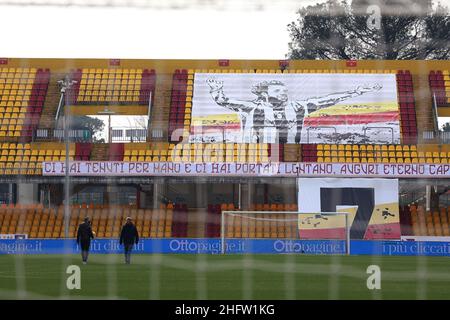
(194, 246)
(20, 247)
(309, 247)
(205, 246)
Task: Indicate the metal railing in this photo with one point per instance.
(75, 135)
(388, 128)
(442, 137)
(5, 198)
(435, 114)
(157, 133)
(129, 134)
(323, 127)
(60, 105)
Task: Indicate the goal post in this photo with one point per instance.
(247, 225)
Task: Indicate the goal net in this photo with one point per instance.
(310, 229)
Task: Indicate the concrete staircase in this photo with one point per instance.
(100, 152)
(424, 112)
(47, 120)
(161, 106)
(196, 222)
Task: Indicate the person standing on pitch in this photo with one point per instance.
(84, 236)
(128, 237)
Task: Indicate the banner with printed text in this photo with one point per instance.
(224, 169)
(232, 246)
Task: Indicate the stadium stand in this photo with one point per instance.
(273, 226)
(119, 86)
(22, 92)
(407, 107)
(26, 159)
(181, 103)
(116, 152)
(82, 151)
(40, 222)
(427, 223)
(190, 152)
(440, 86)
(381, 154)
(25, 99)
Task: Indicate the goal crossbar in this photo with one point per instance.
(242, 215)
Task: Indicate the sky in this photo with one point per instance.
(232, 29)
(80, 32)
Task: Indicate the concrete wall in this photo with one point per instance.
(27, 193)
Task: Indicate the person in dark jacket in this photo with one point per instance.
(128, 237)
(84, 236)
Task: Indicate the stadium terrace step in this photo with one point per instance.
(51, 102)
(116, 151)
(100, 152)
(160, 115)
(423, 99)
(196, 222)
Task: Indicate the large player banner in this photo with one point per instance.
(295, 108)
(372, 205)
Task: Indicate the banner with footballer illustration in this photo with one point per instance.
(371, 205)
(295, 108)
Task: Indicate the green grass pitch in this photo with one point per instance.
(224, 277)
